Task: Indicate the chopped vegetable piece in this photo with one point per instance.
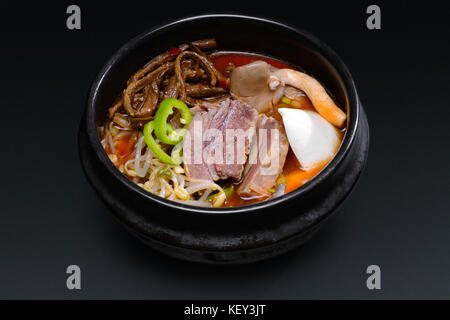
(211, 196)
(156, 148)
(286, 100)
(223, 84)
(312, 138)
(281, 179)
(218, 200)
(174, 51)
(281, 190)
(228, 191)
(295, 179)
(163, 130)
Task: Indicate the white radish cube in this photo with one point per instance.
(312, 138)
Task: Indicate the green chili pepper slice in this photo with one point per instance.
(163, 130)
(229, 191)
(175, 159)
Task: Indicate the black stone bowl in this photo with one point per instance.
(226, 235)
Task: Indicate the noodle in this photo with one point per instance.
(111, 144)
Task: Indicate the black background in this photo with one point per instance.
(397, 217)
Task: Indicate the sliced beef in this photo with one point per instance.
(194, 165)
(266, 159)
(234, 123)
(227, 132)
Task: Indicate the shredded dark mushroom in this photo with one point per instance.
(172, 89)
(150, 85)
(204, 62)
(184, 73)
(200, 90)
